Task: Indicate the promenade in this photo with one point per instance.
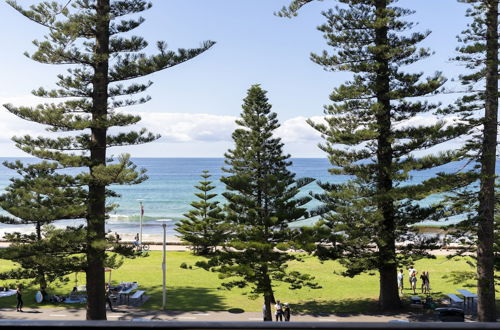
(139, 315)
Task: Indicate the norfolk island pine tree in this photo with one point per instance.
(476, 194)
(85, 34)
(203, 228)
(261, 202)
(39, 197)
(367, 137)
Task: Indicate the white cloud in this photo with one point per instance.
(186, 127)
(298, 130)
(11, 125)
(429, 120)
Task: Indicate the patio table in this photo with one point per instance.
(125, 291)
(7, 293)
(468, 298)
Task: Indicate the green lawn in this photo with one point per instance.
(197, 289)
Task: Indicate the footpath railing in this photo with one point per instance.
(173, 325)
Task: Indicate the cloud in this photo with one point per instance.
(428, 120)
(183, 127)
(11, 125)
(298, 130)
(186, 127)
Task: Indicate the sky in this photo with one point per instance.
(194, 105)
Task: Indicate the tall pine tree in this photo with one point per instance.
(261, 203)
(479, 109)
(369, 136)
(87, 35)
(39, 196)
(204, 227)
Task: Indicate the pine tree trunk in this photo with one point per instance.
(268, 296)
(96, 307)
(485, 254)
(41, 279)
(389, 295)
(267, 302)
(41, 274)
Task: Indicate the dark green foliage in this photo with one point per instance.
(370, 137)
(45, 260)
(39, 197)
(204, 228)
(475, 197)
(262, 201)
(94, 38)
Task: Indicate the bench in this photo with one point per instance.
(137, 295)
(416, 302)
(454, 299)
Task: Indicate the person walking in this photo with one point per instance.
(264, 313)
(19, 298)
(286, 312)
(410, 271)
(108, 298)
(427, 285)
(423, 278)
(400, 280)
(413, 281)
(279, 311)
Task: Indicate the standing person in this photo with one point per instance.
(279, 311)
(410, 271)
(286, 312)
(428, 283)
(136, 240)
(264, 310)
(108, 298)
(19, 298)
(400, 280)
(413, 281)
(423, 277)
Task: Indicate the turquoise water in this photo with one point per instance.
(169, 190)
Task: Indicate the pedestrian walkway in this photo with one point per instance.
(139, 315)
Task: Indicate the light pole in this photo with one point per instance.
(141, 212)
(164, 263)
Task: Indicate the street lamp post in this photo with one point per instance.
(164, 263)
(141, 215)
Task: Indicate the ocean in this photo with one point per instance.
(170, 189)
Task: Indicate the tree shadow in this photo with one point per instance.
(185, 298)
(345, 306)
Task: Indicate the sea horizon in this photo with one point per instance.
(170, 189)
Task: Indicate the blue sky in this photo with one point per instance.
(194, 104)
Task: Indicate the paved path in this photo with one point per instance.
(135, 314)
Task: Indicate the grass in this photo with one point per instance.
(196, 289)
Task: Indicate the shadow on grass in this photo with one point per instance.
(184, 299)
(345, 306)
